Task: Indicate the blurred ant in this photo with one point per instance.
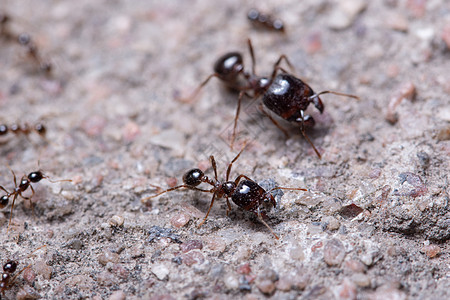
(24, 40)
(246, 193)
(8, 277)
(25, 182)
(284, 94)
(25, 129)
(261, 20)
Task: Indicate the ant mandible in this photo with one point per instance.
(25, 129)
(284, 94)
(24, 184)
(243, 191)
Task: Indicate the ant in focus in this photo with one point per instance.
(24, 184)
(243, 191)
(9, 268)
(283, 94)
(265, 21)
(24, 39)
(25, 129)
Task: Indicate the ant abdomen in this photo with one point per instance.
(287, 96)
(4, 200)
(193, 177)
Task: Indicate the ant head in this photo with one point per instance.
(229, 66)
(228, 187)
(193, 177)
(4, 200)
(35, 176)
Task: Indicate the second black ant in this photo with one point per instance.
(283, 94)
(20, 188)
(243, 191)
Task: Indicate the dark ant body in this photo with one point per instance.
(265, 21)
(25, 129)
(24, 40)
(24, 184)
(243, 191)
(284, 94)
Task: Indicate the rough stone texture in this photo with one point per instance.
(117, 128)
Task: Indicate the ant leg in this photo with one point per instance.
(144, 201)
(236, 181)
(236, 117)
(197, 90)
(252, 55)
(287, 62)
(214, 166)
(302, 129)
(3, 189)
(273, 120)
(229, 206)
(210, 206)
(234, 159)
(10, 215)
(265, 224)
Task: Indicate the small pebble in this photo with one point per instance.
(171, 182)
(117, 295)
(193, 257)
(43, 269)
(244, 269)
(334, 252)
(361, 280)
(116, 221)
(431, 250)
(347, 290)
(108, 256)
(180, 219)
(345, 13)
(106, 278)
(161, 271)
(215, 244)
(231, 282)
(93, 125)
(131, 131)
(355, 266)
(266, 286)
(29, 275)
(191, 245)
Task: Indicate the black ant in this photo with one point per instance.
(24, 40)
(9, 268)
(261, 20)
(24, 184)
(246, 193)
(25, 129)
(284, 94)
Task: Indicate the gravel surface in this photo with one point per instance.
(374, 223)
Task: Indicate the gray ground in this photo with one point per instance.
(115, 128)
